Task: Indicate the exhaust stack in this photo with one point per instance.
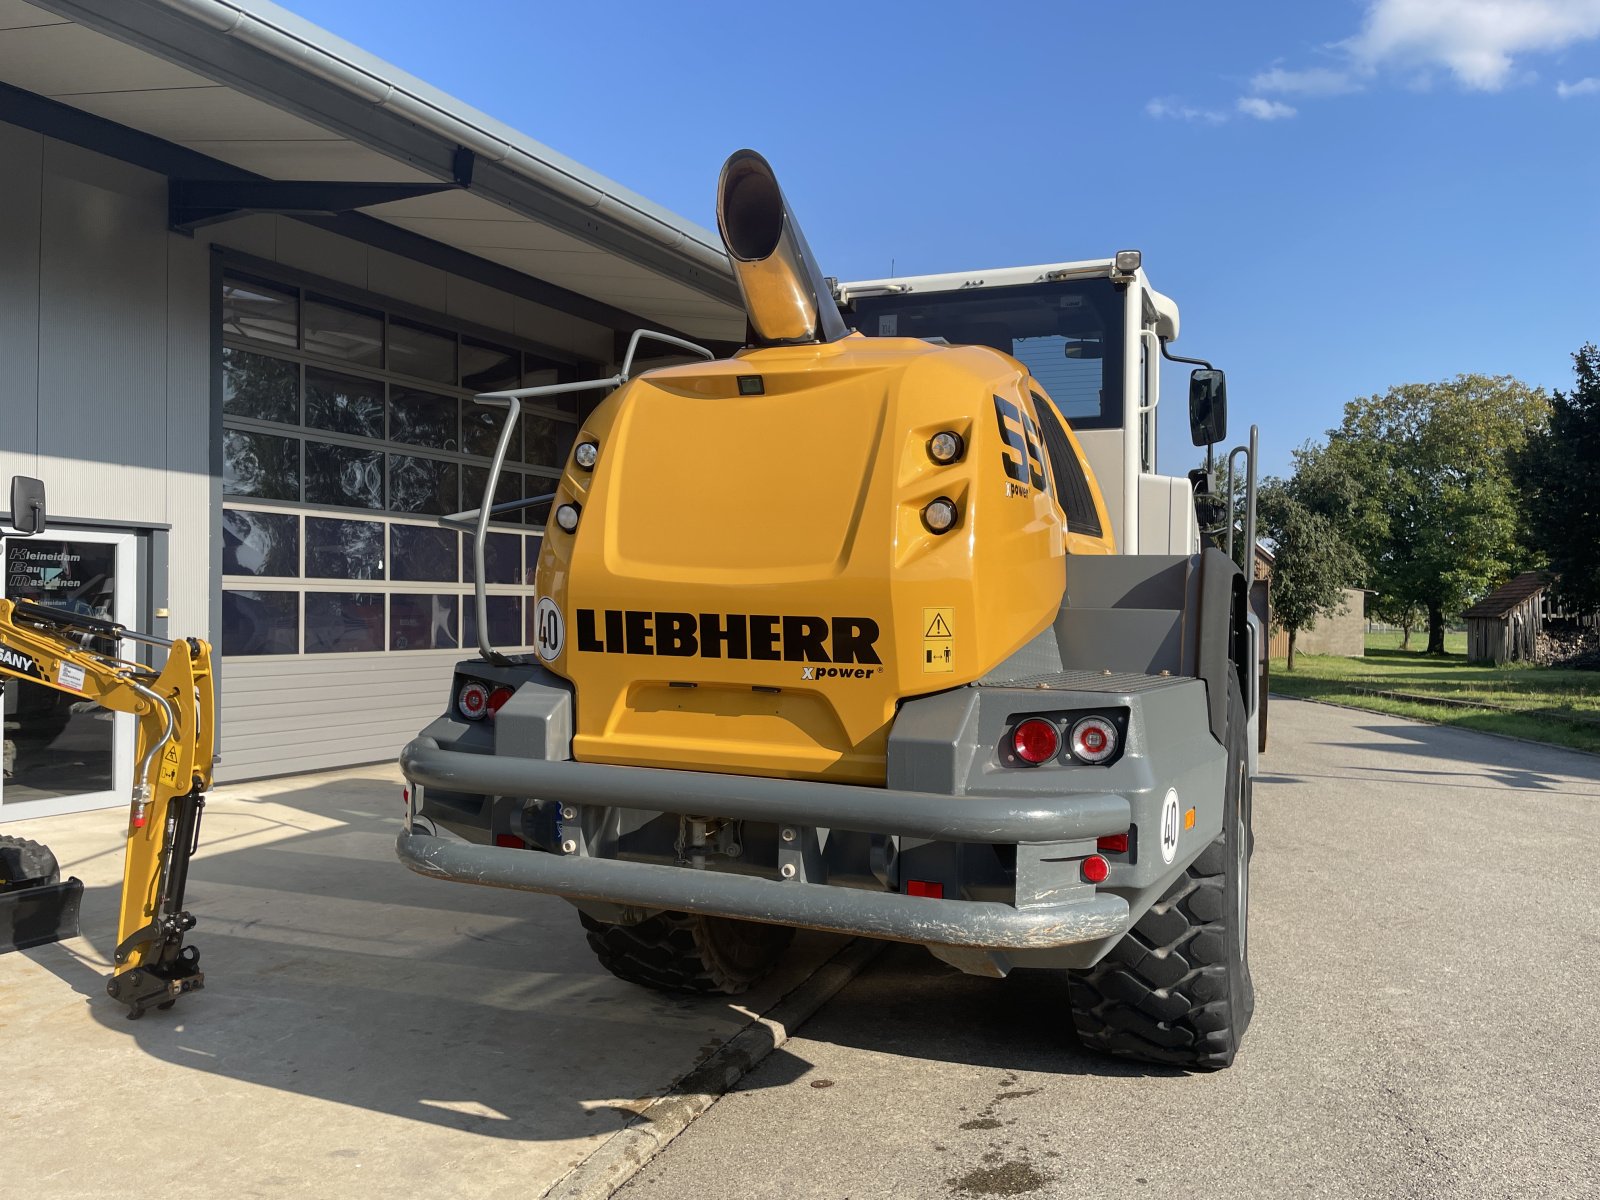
(784, 292)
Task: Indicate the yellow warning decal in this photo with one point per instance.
(938, 640)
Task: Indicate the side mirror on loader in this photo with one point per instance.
(27, 505)
(1208, 407)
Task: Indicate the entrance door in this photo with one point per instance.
(64, 754)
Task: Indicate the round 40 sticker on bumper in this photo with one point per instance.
(549, 631)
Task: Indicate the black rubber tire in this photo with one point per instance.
(1176, 990)
(687, 953)
(24, 863)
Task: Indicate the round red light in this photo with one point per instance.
(497, 698)
(1095, 869)
(1035, 741)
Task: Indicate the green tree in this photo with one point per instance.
(1560, 476)
(1435, 509)
(1312, 563)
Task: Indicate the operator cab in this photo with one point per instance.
(1091, 333)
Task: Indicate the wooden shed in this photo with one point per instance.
(1504, 626)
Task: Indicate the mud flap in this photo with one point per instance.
(39, 915)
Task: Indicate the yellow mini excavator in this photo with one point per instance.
(53, 648)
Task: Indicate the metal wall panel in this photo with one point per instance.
(21, 152)
(335, 710)
(187, 479)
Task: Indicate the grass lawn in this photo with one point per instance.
(1546, 705)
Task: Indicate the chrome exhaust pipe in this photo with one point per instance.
(785, 295)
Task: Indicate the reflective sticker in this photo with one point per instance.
(1169, 826)
(889, 325)
(938, 641)
(548, 631)
(70, 675)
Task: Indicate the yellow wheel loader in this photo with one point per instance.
(886, 626)
(46, 647)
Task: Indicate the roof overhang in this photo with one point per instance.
(274, 98)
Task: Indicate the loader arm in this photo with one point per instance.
(174, 712)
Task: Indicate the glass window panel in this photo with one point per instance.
(346, 476)
(259, 312)
(423, 622)
(260, 465)
(546, 441)
(421, 352)
(487, 368)
(480, 431)
(423, 485)
(342, 331)
(502, 558)
(344, 403)
(260, 623)
(254, 385)
(256, 543)
(505, 621)
(537, 371)
(343, 622)
(510, 487)
(423, 419)
(338, 549)
(422, 554)
(531, 558)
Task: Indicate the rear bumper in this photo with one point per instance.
(780, 902)
(1055, 907)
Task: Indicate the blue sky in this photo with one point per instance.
(1341, 196)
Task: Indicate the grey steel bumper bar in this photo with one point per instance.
(995, 819)
(814, 906)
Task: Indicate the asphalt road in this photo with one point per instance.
(1425, 940)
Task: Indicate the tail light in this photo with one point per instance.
(497, 699)
(1035, 740)
(1113, 843)
(1094, 740)
(472, 702)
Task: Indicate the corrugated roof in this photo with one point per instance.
(1508, 595)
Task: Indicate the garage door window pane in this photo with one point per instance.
(260, 465)
(488, 368)
(531, 558)
(346, 476)
(344, 622)
(260, 312)
(423, 622)
(502, 558)
(536, 372)
(505, 621)
(344, 332)
(256, 543)
(421, 352)
(546, 442)
(344, 404)
(423, 485)
(421, 553)
(260, 623)
(343, 549)
(254, 385)
(480, 431)
(423, 419)
(510, 488)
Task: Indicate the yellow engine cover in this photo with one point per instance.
(751, 587)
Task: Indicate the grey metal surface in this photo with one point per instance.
(843, 910)
(1424, 1025)
(991, 818)
(1087, 681)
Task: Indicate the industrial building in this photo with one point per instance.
(250, 277)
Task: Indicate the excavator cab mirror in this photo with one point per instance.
(1208, 407)
(27, 505)
(1087, 348)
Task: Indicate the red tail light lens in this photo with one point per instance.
(473, 701)
(1116, 843)
(1094, 739)
(1035, 741)
(924, 887)
(1095, 869)
(497, 699)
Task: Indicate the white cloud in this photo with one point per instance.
(1584, 87)
(1176, 110)
(1263, 109)
(1313, 81)
(1476, 40)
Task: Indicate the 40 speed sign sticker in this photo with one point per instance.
(1169, 826)
(548, 631)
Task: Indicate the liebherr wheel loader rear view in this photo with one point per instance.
(884, 626)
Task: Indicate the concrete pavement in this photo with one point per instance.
(1425, 941)
(363, 1031)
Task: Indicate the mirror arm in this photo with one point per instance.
(1178, 358)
